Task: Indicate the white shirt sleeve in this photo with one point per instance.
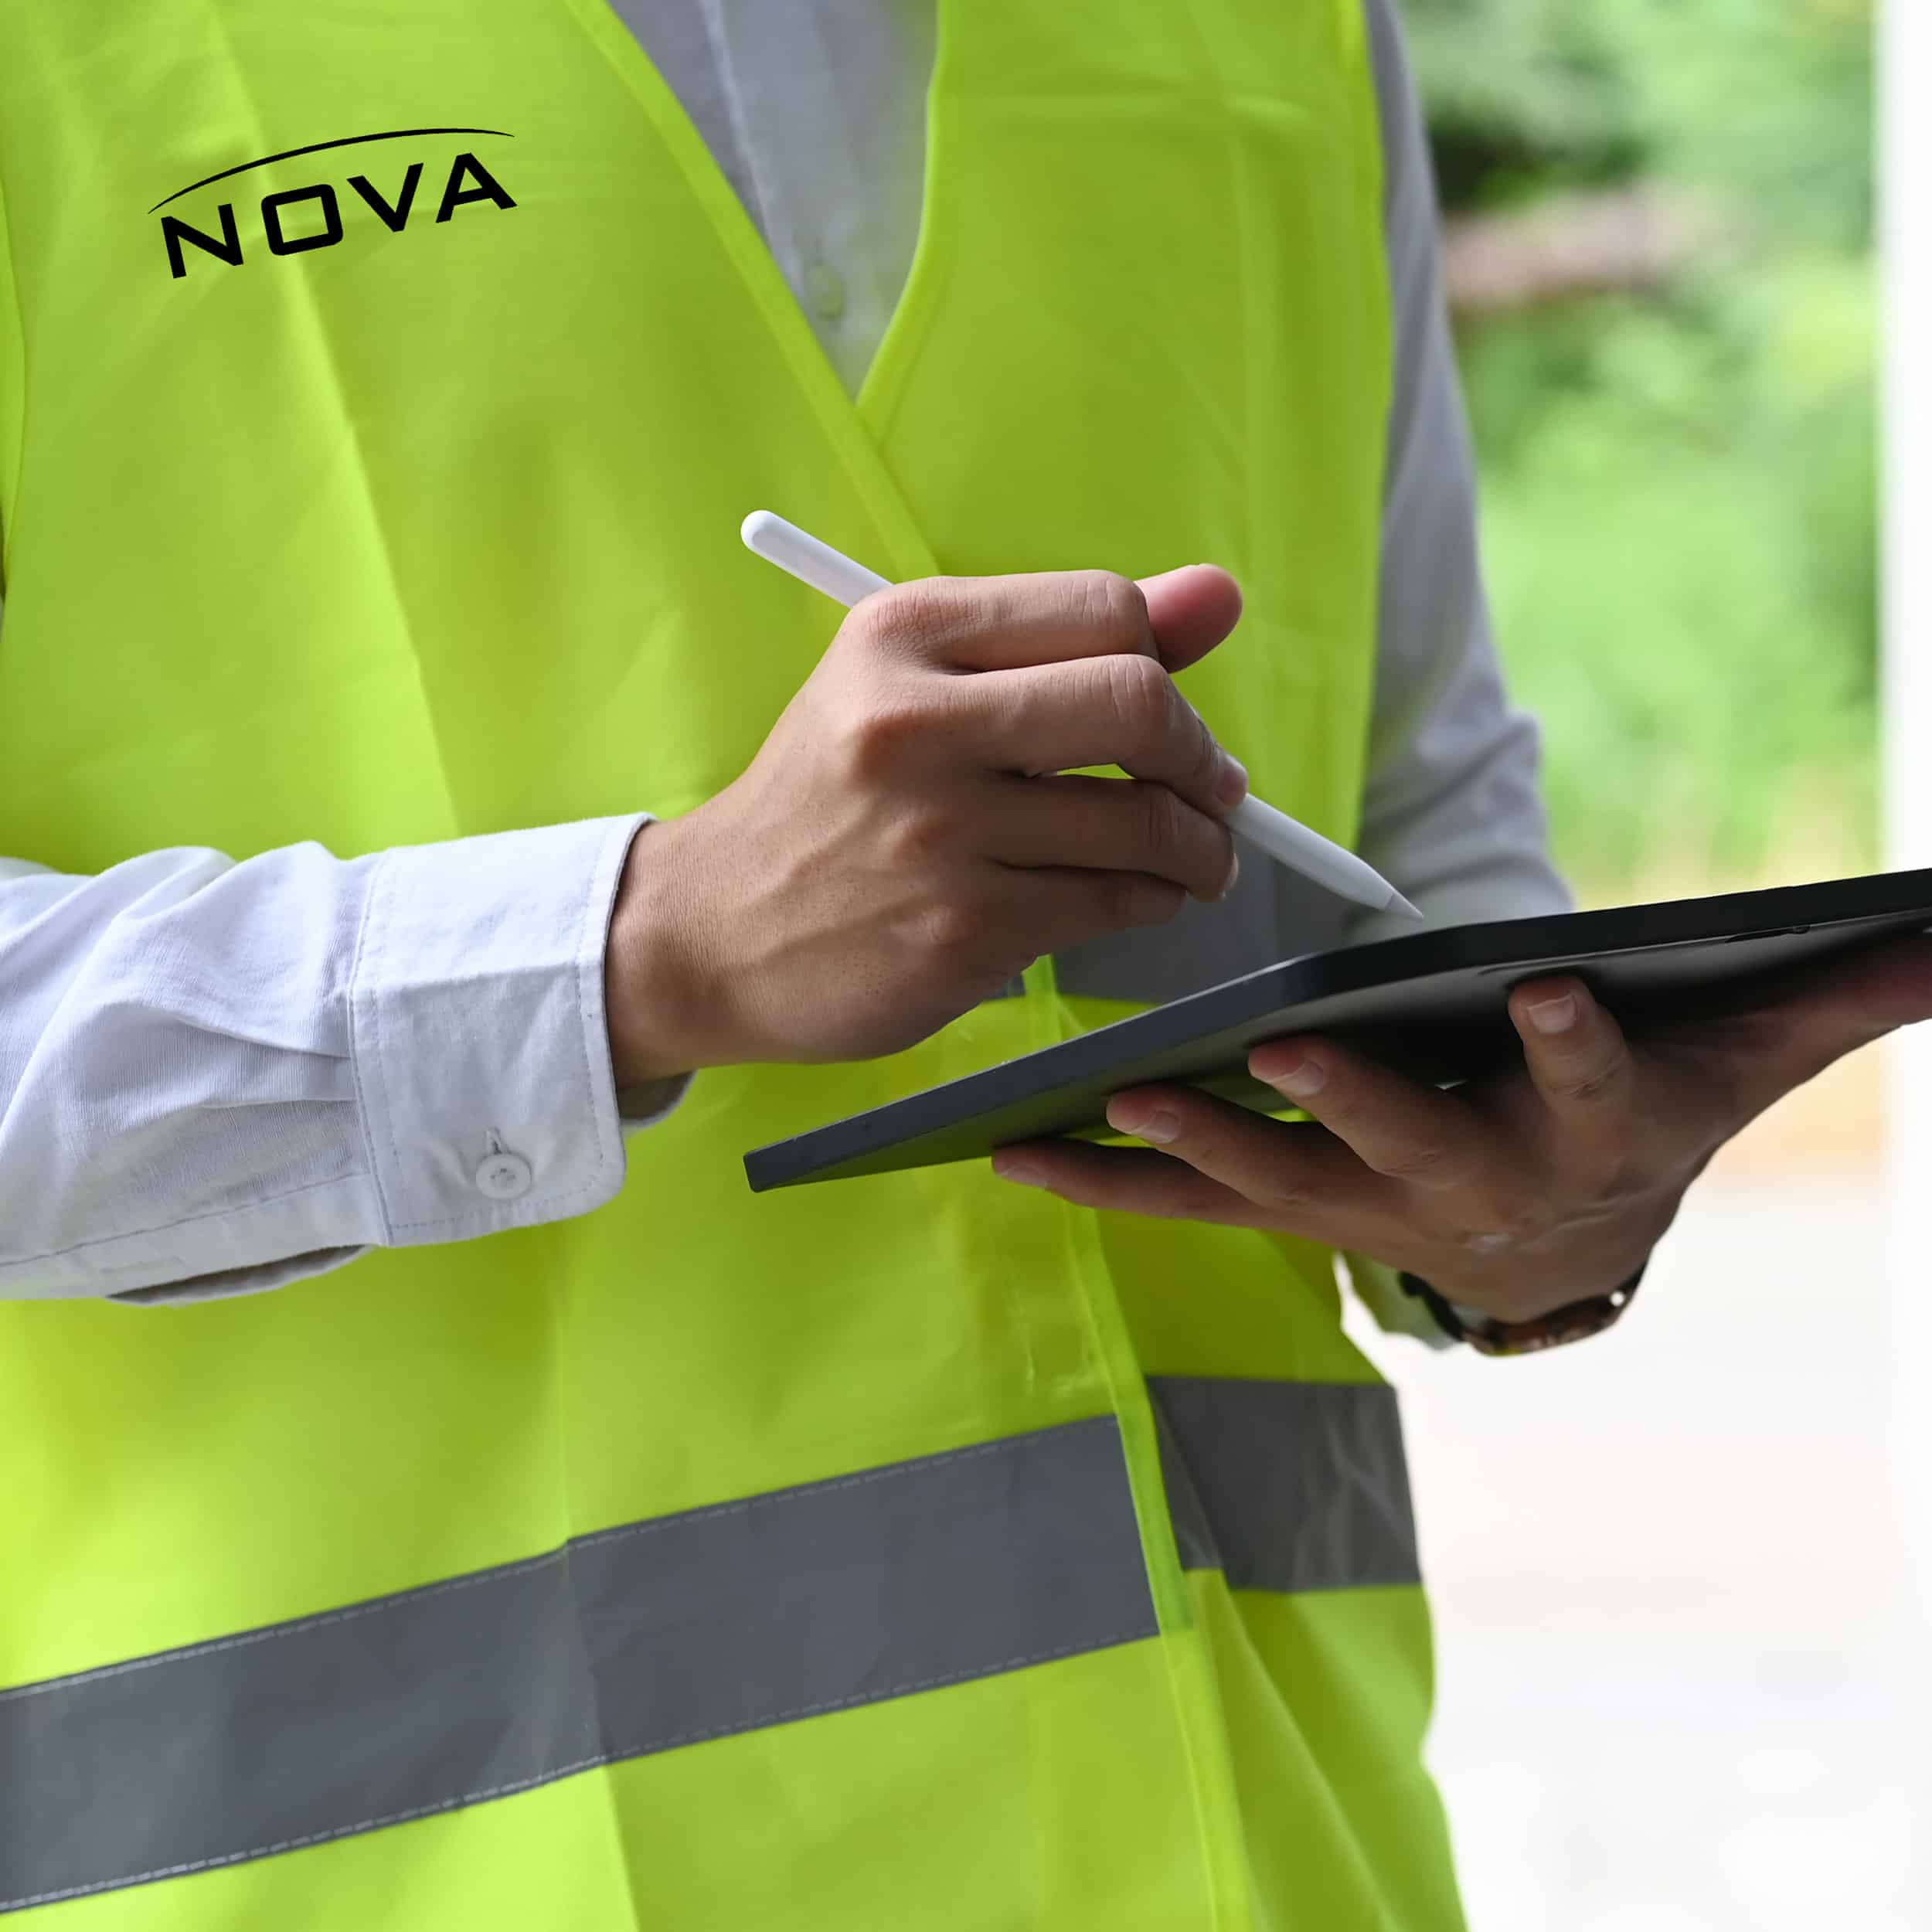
(217, 1077)
(1452, 812)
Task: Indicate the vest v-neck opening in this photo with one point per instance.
(854, 425)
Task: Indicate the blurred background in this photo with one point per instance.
(1659, 220)
(1673, 1568)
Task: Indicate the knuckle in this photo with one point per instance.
(1429, 1164)
(1206, 751)
(917, 840)
(1142, 696)
(1161, 827)
(1114, 607)
(921, 613)
(1280, 1186)
(879, 732)
(1591, 1085)
(947, 927)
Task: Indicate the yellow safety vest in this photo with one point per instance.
(381, 388)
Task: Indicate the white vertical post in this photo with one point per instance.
(1904, 241)
(1905, 70)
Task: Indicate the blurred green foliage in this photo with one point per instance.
(1678, 489)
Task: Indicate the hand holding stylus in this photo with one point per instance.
(915, 832)
(1285, 840)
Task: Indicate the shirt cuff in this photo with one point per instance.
(1379, 1290)
(655, 1101)
(478, 1038)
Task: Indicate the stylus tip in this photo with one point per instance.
(1398, 904)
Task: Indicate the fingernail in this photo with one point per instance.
(1556, 1015)
(1299, 1079)
(1234, 873)
(1016, 1167)
(1232, 785)
(1150, 1124)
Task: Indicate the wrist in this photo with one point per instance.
(656, 1007)
(1568, 1319)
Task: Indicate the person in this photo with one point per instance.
(443, 853)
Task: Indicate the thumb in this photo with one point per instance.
(1190, 610)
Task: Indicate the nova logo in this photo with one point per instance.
(300, 218)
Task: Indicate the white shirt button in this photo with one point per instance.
(503, 1176)
(825, 290)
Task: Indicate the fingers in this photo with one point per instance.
(1056, 906)
(1124, 711)
(1402, 1128)
(1110, 825)
(1006, 623)
(1071, 672)
(1190, 610)
(1301, 1177)
(1576, 1055)
(1128, 1180)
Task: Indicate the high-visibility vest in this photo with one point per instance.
(381, 388)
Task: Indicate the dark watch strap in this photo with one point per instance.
(1575, 1322)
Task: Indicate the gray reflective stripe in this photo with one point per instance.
(634, 1640)
(1187, 1514)
(1287, 1485)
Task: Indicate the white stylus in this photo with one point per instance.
(1286, 840)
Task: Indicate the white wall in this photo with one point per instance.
(1905, 231)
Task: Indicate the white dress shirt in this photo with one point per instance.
(219, 1076)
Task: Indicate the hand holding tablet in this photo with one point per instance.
(1509, 1112)
(1434, 1006)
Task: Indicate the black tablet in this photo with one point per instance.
(1432, 1004)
